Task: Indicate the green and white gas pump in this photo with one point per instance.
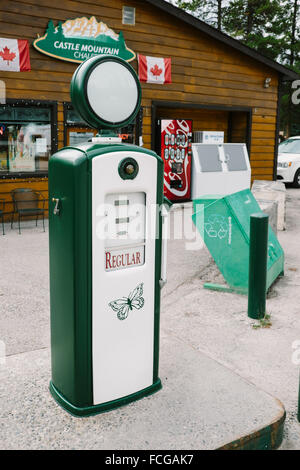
(107, 250)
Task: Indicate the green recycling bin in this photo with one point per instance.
(224, 224)
(107, 256)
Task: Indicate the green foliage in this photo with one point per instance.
(60, 31)
(290, 53)
(50, 28)
(290, 56)
(121, 38)
(258, 24)
(265, 25)
(263, 323)
(209, 11)
(289, 112)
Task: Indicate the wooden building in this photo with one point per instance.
(217, 82)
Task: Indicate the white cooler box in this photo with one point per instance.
(219, 169)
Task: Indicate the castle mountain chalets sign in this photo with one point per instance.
(79, 39)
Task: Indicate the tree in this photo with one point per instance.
(259, 24)
(121, 38)
(289, 111)
(209, 11)
(294, 32)
(50, 28)
(60, 30)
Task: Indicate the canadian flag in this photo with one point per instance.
(154, 69)
(14, 55)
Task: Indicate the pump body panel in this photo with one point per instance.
(105, 267)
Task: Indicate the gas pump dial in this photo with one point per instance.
(128, 168)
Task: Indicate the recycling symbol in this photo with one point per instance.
(216, 226)
(271, 251)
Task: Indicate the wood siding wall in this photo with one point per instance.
(203, 119)
(204, 71)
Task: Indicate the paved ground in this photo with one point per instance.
(267, 357)
(206, 338)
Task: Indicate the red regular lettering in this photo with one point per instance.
(108, 264)
(122, 260)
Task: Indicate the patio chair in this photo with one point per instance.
(27, 203)
(2, 204)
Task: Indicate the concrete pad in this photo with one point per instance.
(203, 405)
(270, 208)
(24, 288)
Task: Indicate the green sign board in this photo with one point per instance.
(79, 39)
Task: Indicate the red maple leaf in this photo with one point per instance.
(156, 71)
(7, 55)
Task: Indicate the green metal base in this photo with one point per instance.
(240, 290)
(267, 438)
(103, 407)
(224, 288)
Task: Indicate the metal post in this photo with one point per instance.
(258, 256)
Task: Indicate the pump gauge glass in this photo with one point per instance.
(112, 92)
(106, 92)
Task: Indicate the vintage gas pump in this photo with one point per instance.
(107, 256)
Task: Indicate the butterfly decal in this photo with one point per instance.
(125, 304)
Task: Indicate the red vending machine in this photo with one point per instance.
(176, 152)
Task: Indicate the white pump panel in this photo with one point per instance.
(124, 262)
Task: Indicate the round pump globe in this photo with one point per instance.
(112, 92)
(106, 92)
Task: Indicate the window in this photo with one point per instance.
(128, 16)
(26, 140)
(290, 146)
(76, 131)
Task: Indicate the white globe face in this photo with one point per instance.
(112, 92)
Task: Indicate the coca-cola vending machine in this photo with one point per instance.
(176, 152)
